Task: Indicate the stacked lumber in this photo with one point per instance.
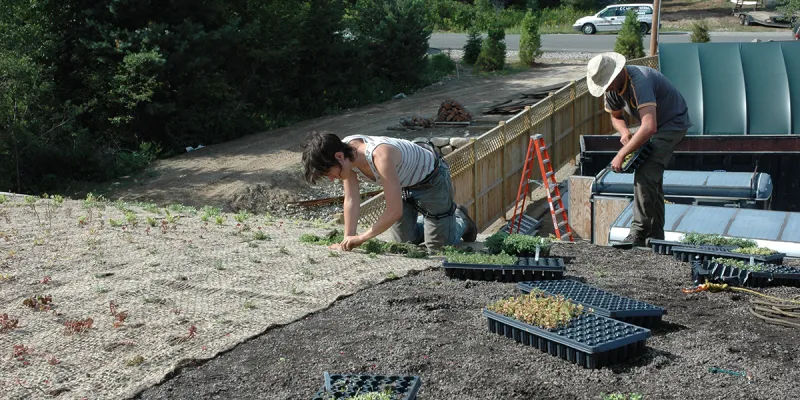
(416, 121)
(517, 103)
(452, 111)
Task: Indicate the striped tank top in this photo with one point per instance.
(416, 162)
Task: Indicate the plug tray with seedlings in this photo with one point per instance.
(688, 254)
(502, 267)
(635, 159)
(563, 329)
(602, 302)
(741, 273)
(665, 246)
(346, 386)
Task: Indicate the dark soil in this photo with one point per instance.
(430, 326)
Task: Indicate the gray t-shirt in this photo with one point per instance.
(646, 86)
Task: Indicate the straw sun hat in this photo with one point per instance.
(602, 70)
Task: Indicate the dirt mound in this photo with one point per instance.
(277, 190)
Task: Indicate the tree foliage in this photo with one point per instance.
(493, 50)
(700, 32)
(89, 90)
(530, 42)
(629, 39)
(472, 49)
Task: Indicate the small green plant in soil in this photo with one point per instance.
(478, 258)
(761, 251)
(241, 216)
(260, 235)
(716, 240)
(3, 199)
(537, 309)
(494, 243)
(741, 264)
(516, 244)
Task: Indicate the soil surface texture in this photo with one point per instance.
(432, 327)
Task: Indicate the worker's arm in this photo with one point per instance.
(384, 158)
(619, 124)
(646, 131)
(352, 205)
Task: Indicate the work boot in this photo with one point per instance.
(470, 230)
(636, 242)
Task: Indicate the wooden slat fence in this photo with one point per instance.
(486, 173)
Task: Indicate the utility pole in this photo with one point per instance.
(654, 29)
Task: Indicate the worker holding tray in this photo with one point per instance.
(647, 95)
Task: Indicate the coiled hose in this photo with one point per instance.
(777, 311)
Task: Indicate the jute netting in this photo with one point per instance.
(189, 293)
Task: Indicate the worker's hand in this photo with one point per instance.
(351, 242)
(624, 138)
(616, 163)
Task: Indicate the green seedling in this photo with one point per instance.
(716, 240)
(260, 235)
(741, 264)
(115, 223)
(249, 305)
(477, 258)
(538, 309)
(152, 222)
(241, 216)
(82, 220)
(3, 199)
(392, 276)
(220, 219)
(333, 254)
(515, 244)
(131, 218)
(135, 361)
(761, 251)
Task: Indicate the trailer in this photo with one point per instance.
(764, 18)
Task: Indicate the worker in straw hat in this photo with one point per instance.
(646, 95)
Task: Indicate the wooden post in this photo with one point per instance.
(654, 29)
(554, 161)
(573, 142)
(503, 167)
(475, 188)
(529, 116)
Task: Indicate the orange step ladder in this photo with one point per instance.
(538, 150)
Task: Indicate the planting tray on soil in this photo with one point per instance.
(346, 386)
(638, 158)
(770, 275)
(589, 340)
(666, 246)
(688, 254)
(526, 269)
(602, 302)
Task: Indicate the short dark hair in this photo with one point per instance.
(319, 154)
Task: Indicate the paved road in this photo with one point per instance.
(605, 42)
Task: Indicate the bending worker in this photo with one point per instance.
(415, 180)
(648, 96)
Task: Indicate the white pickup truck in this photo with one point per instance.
(610, 19)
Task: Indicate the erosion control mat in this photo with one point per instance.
(431, 326)
(182, 290)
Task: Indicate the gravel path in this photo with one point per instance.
(431, 326)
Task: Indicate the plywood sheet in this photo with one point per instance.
(580, 207)
(606, 211)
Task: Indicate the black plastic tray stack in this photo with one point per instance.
(589, 340)
(346, 386)
(688, 254)
(525, 224)
(638, 158)
(665, 246)
(770, 275)
(525, 269)
(602, 302)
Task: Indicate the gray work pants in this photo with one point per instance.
(435, 198)
(648, 187)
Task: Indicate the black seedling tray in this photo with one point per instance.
(771, 275)
(665, 246)
(688, 254)
(526, 269)
(345, 386)
(638, 158)
(590, 340)
(603, 303)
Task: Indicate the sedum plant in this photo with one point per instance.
(761, 251)
(716, 240)
(741, 264)
(477, 258)
(538, 309)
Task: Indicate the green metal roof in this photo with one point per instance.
(737, 88)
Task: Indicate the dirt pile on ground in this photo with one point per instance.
(430, 326)
(453, 111)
